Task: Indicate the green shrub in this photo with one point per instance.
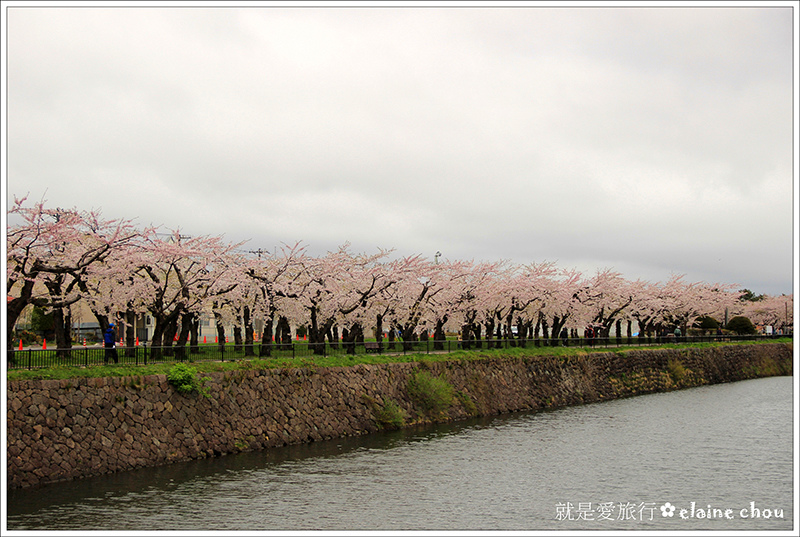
(390, 415)
(184, 378)
(676, 370)
(741, 325)
(28, 338)
(706, 322)
(432, 394)
(467, 403)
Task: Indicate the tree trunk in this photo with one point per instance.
(407, 333)
(477, 339)
(156, 351)
(183, 337)
(439, 337)
(169, 335)
(558, 324)
(523, 327)
(333, 336)
(316, 337)
(220, 332)
(61, 327)
(266, 338)
(237, 337)
(351, 337)
(529, 332)
(466, 333)
(130, 333)
(248, 333)
(14, 309)
(346, 340)
(488, 326)
(283, 333)
(509, 332)
(194, 335)
(379, 331)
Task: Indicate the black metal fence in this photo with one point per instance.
(143, 354)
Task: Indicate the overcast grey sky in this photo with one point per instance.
(652, 140)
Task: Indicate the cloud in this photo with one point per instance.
(657, 139)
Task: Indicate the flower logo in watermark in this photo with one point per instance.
(667, 509)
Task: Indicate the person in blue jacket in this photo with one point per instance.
(110, 343)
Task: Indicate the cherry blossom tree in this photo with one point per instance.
(609, 297)
(676, 303)
(565, 295)
(468, 298)
(454, 279)
(356, 289)
(339, 287)
(276, 280)
(771, 310)
(416, 283)
(50, 251)
(540, 287)
(686, 302)
(422, 295)
(57, 257)
(496, 302)
(648, 306)
(176, 275)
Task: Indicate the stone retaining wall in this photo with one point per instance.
(66, 429)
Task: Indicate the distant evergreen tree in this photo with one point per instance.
(41, 321)
(741, 325)
(706, 322)
(750, 296)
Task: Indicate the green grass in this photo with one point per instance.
(340, 360)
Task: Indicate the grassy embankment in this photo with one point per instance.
(64, 372)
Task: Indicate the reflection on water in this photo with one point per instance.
(606, 466)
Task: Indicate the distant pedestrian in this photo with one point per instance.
(589, 334)
(564, 337)
(110, 343)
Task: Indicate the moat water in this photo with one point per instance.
(714, 458)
